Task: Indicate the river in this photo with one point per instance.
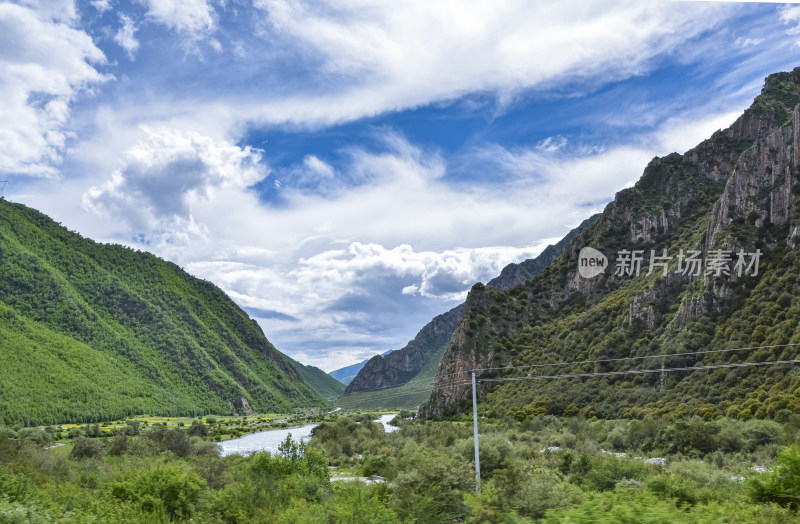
(270, 440)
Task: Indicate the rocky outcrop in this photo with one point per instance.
(760, 191)
(453, 383)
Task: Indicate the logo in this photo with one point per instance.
(591, 262)
(717, 263)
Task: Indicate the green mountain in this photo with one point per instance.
(92, 332)
(403, 378)
(323, 383)
(602, 333)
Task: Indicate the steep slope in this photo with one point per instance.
(735, 192)
(324, 384)
(92, 332)
(416, 363)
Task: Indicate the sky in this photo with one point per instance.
(347, 169)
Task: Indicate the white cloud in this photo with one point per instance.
(791, 16)
(379, 57)
(125, 36)
(364, 251)
(163, 175)
(45, 64)
(101, 5)
(58, 10)
(333, 268)
(341, 294)
(681, 133)
(192, 17)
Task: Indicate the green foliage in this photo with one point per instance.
(781, 486)
(633, 508)
(86, 448)
(356, 503)
(171, 489)
(428, 478)
(344, 438)
(103, 332)
(412, 496)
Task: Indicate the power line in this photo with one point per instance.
(450, 385)
(642, 371)
(434, 386)
(643, 357)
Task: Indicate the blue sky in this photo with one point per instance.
(347, 169)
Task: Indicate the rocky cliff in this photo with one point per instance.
(700, 258)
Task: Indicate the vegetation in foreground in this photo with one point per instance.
(546, 469)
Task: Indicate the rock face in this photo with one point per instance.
(729, 198)
(398, 367)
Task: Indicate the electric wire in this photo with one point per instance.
(642, 357)
(435, 384)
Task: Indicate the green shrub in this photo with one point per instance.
(356, 503)
(605, 471)
(781, 486)
(429, 486)
(86, 448)
(198, 429)
(169, 488)
(495, 452)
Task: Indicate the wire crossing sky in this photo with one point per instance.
(346, 170)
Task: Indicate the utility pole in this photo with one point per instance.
(475, 431)
(3, 188)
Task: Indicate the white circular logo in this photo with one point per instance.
(591, 262)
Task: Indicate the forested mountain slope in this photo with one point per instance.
(91, 331)
(721, 203)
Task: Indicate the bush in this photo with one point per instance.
(119, 445)
(430, 485)
(605, 471)
(541, 491)
(782, 486)
(689, 436)
(495, 452)
(169, 489)
(355, 503)
(198, 429)
(86, 448)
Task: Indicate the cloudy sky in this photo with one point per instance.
(347, 169)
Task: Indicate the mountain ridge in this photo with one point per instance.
(736, 191)
(96, 332)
